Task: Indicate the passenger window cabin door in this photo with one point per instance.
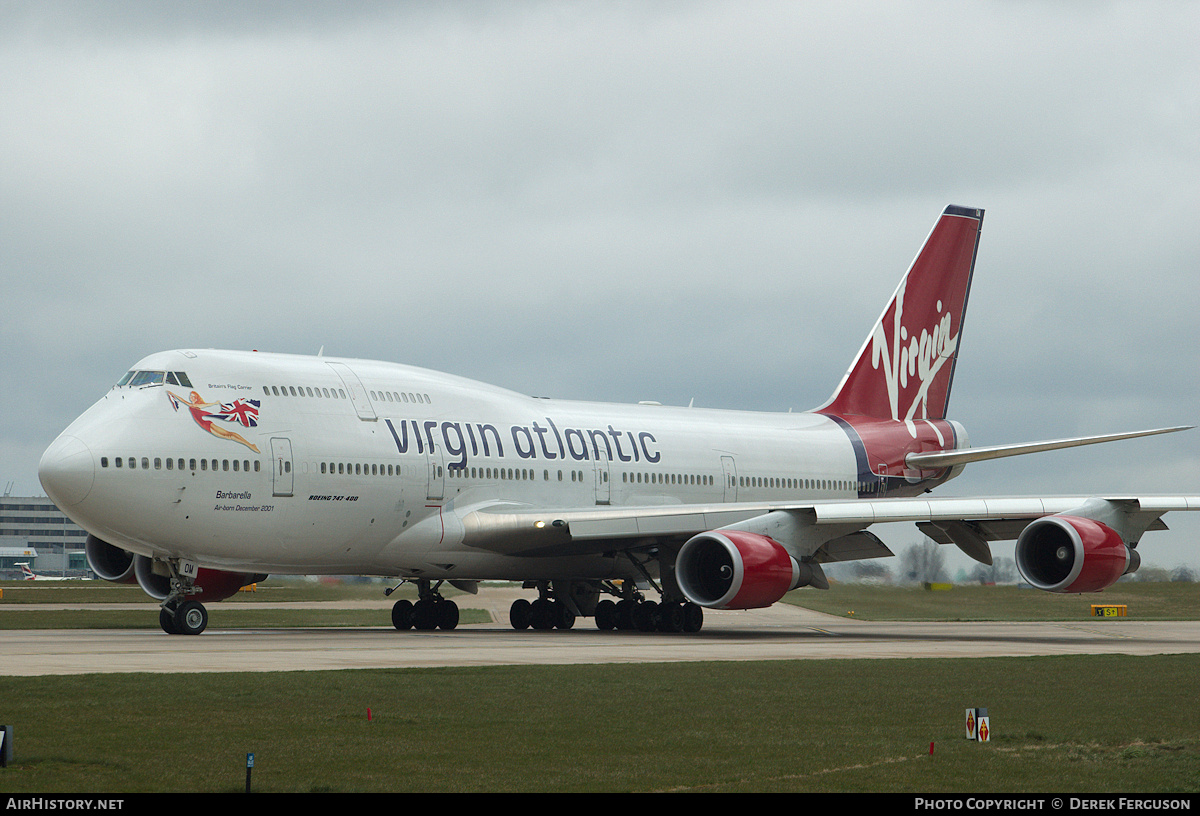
(436, 469)
(729, 474)
(603, 487)
(282, 477)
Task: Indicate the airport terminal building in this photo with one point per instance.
(33, 530)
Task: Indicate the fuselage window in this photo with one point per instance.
(170, 464)
(103, 461)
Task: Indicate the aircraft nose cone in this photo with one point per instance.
(67, 471)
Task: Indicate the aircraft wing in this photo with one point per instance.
(821, 531)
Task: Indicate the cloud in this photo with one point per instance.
(616, 201)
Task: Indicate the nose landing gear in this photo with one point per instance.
(179, 613)
(187, 618)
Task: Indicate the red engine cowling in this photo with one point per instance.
(1073, 554)
(731, 569)
(214, 585)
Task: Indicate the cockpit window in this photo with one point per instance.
(148, 378)
(140, 378)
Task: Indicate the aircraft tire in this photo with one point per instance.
(520, 614)
(544, 615)
(566, 618)
(606, 615)
(425, 616)
(191, 618)
(402, 614)
(625, 609)
(670, 617)
(693, 617)
(447, 615)
(645, 616)
(167, 621)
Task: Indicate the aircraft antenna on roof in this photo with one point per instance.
(321, 351)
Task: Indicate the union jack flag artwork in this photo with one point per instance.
(241, 410)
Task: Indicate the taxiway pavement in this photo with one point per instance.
(781, 632)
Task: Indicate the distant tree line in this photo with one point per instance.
(924, 563)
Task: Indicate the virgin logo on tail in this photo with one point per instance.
(919, 359)
(914, 343)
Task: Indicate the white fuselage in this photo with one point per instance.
(365, 467)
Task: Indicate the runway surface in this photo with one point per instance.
(781, 632)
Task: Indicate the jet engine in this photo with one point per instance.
(733, 569)
(114, 564)
(109, 562)
(1073, 554)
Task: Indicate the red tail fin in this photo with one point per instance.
(905, 368)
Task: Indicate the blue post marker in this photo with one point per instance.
(249, 767)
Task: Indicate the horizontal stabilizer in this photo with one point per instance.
(941, 459)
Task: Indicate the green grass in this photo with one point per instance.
(1062, 724)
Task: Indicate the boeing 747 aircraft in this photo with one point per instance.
(200, 470)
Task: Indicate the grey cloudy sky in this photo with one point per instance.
(669, 201)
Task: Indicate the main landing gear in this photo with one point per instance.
(557, 609)
(431, 611)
